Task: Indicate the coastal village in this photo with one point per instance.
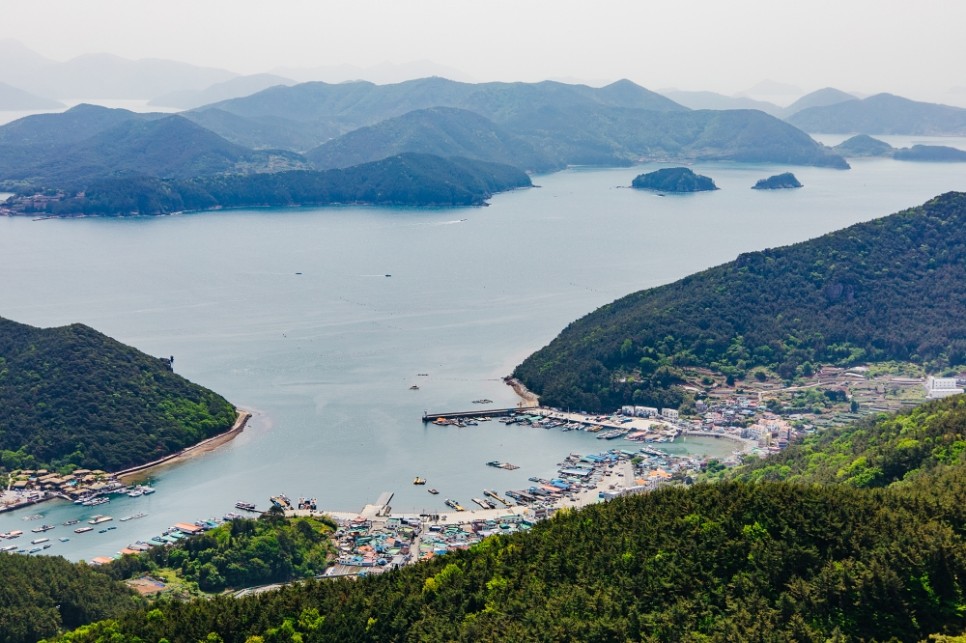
(757, 417)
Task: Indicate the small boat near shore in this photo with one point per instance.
(502, 465)
(245, 506)
(452, 504)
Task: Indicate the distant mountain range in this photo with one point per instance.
(225, 90)
(100, 75)
(552, 124)
(883, 114)
(15, 99)
(536, 127)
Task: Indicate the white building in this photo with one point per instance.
(670, 414)
(645, 411)
(937, 387)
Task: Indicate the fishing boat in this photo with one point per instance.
(83, 530)
(502, 465)
(42, 528)
(245, 506)
(72, 521)
(96, 520)
(418, 480)
(281, 501)
(38, 541)
(413, 388)
(432, 491)
(453, 505)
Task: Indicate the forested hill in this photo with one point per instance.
(889, 289)
(403, 180)
(924, 441)
(73, 396)
(719, 563)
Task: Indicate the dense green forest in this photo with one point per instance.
(719, 562)
(673, 179)
(404, 180)
(73, 397)
(42, 595)
(240, 553)
(889, 289)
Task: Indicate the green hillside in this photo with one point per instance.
(889, 289)
(72, 396)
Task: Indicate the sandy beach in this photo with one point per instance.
(205, 446)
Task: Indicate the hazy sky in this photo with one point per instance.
(914, 48)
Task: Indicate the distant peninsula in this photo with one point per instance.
(414, 180)
(781, 181)
(674, 179)
(933, 153)
(73, 397)
(865, 145)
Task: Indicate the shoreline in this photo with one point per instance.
(528, 398)
(205, 446)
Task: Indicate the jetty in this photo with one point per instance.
(458, 415)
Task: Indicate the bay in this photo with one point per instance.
(325, 358)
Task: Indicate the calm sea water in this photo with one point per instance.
(325, 358)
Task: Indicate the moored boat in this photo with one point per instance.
(418, 480)
(245, 506)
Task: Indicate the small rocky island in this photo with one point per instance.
(781, 181)
(674, 179)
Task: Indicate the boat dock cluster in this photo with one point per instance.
(607, 427)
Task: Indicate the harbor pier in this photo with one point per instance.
(456, 415)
